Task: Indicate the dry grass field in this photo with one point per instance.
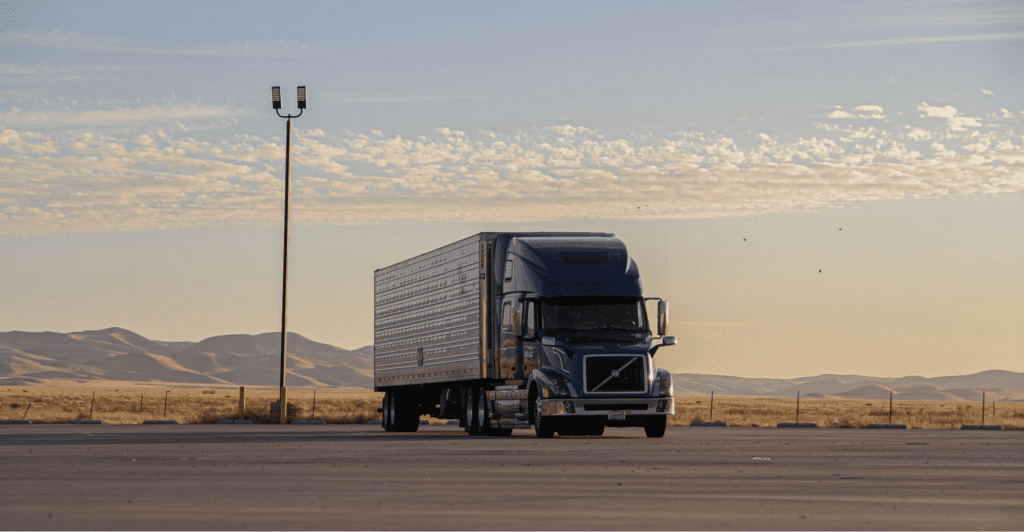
(186, 405)
(127, 405)
(844, 413)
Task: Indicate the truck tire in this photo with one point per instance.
(544, 428)
(594, 427)
(388, 408)
(472, 411)
(654, 426)
(405, 414)
(484, 414)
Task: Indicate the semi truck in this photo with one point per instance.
(517, 330)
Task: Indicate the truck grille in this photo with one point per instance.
(615, 374)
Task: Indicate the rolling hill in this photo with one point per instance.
(120, 355)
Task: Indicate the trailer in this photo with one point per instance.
(516, 330)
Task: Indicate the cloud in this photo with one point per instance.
(988, 92)
(862, 111)
(122, 115)
(941, 112)
(955, 123)
(1015, 36)
(90, 180)
(57, 38)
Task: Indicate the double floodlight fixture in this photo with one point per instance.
(276, 92)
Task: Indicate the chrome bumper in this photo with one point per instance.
(609, 408)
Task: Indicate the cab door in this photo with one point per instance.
(530, 339)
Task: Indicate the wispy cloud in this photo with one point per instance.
(898, 41)
(58, 38)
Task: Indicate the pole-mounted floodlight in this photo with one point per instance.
(276, 91)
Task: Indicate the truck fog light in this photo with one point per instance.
(569, 407)
(661, 406)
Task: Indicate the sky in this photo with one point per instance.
(815, 187)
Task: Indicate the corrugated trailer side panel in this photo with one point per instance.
(428, 317)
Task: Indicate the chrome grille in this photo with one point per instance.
(615, 374)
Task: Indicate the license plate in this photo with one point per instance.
(617, 415)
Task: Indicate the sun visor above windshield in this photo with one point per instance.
(571, 266)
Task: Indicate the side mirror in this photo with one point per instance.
(665, 341)
(662, 317)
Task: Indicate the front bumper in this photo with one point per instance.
(611, 408)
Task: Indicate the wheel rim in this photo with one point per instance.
(391, 410)
(481, 412)
(471, 420)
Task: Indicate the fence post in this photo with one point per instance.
(32, 401)
(284, 405)
(241, 401)
(983, 407)
(141, 401)
(312, 415)
(92, 405)
(712, 406)
(165, 403)
(890, 407)
(798, 406)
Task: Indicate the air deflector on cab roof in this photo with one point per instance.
(584, 257)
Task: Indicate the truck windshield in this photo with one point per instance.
(592, 314)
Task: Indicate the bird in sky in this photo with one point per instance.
(819, 271)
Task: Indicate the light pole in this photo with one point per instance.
(276, 91)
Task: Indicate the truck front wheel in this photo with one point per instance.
(545, 428)
(654, 426)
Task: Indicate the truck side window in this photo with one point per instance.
(531, 320)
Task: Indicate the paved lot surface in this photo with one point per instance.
(357, 477)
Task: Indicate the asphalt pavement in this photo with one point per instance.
(242, 477)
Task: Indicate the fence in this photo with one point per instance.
(184, 405)
(191, 405)
(739, 411)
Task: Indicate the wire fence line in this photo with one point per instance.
(198, 405)
(849, 411)
(184, 405)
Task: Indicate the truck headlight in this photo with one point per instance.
(664, 383)
(558, 387)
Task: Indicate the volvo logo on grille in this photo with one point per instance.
(614, 373)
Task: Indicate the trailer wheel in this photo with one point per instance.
(388, 408)
(654, 426)
(405, 416)
(544, 428)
